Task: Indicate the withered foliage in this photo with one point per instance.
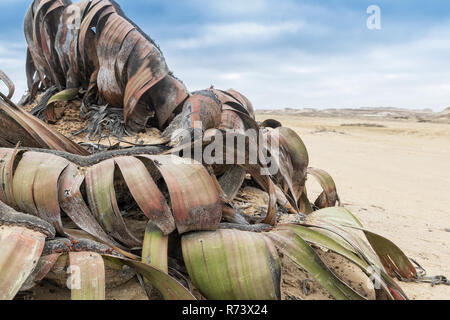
(147, 210)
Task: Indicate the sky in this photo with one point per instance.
(287, 53)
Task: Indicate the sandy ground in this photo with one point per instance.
(395, 178)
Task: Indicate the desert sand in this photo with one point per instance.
(393, 172)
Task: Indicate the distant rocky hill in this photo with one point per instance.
(425, 115)
(445, 112)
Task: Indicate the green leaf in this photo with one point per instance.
(232, 265)
(315, 237)
(154, 248)
(318, 237)
(390, 256)
(87, 277)
(302, 254)
(366, 252)
(337, 215)
(65, 95)
(349, 235)
(170, 288)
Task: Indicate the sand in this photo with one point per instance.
(394, 175)
(69, 122)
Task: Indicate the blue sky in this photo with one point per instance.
(287, 53)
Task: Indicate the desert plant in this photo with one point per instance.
(62, 206)
(178, 197)
(44, 185)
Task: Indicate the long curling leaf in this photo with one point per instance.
(232, 265)
(154, 248)
(6, 80)
(365, 252)
(304, 205)
(87, 276)
(170, 288)
(324, 240)
(329, 197)
(392, 258)
(337, 215)
(303, 255)
(293, 161)
(20, 249)
(7, 158)
(33, 132)
(315, 237)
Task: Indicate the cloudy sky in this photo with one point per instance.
(287, 53)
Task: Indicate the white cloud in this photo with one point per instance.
(409, 74)
(231, 34)
(235, 7)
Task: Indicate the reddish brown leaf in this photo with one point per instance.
(289, 151)
(232, 121)
(115, 31)
(7, 159)
(85, 33)
(244, 102)
(19, 255)
(194, 197)
(9, 84)
(141, 185)
(16, 126)
(329, 197)
(72, 203)
(202, 110)
(41, 270)
(167, 95)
